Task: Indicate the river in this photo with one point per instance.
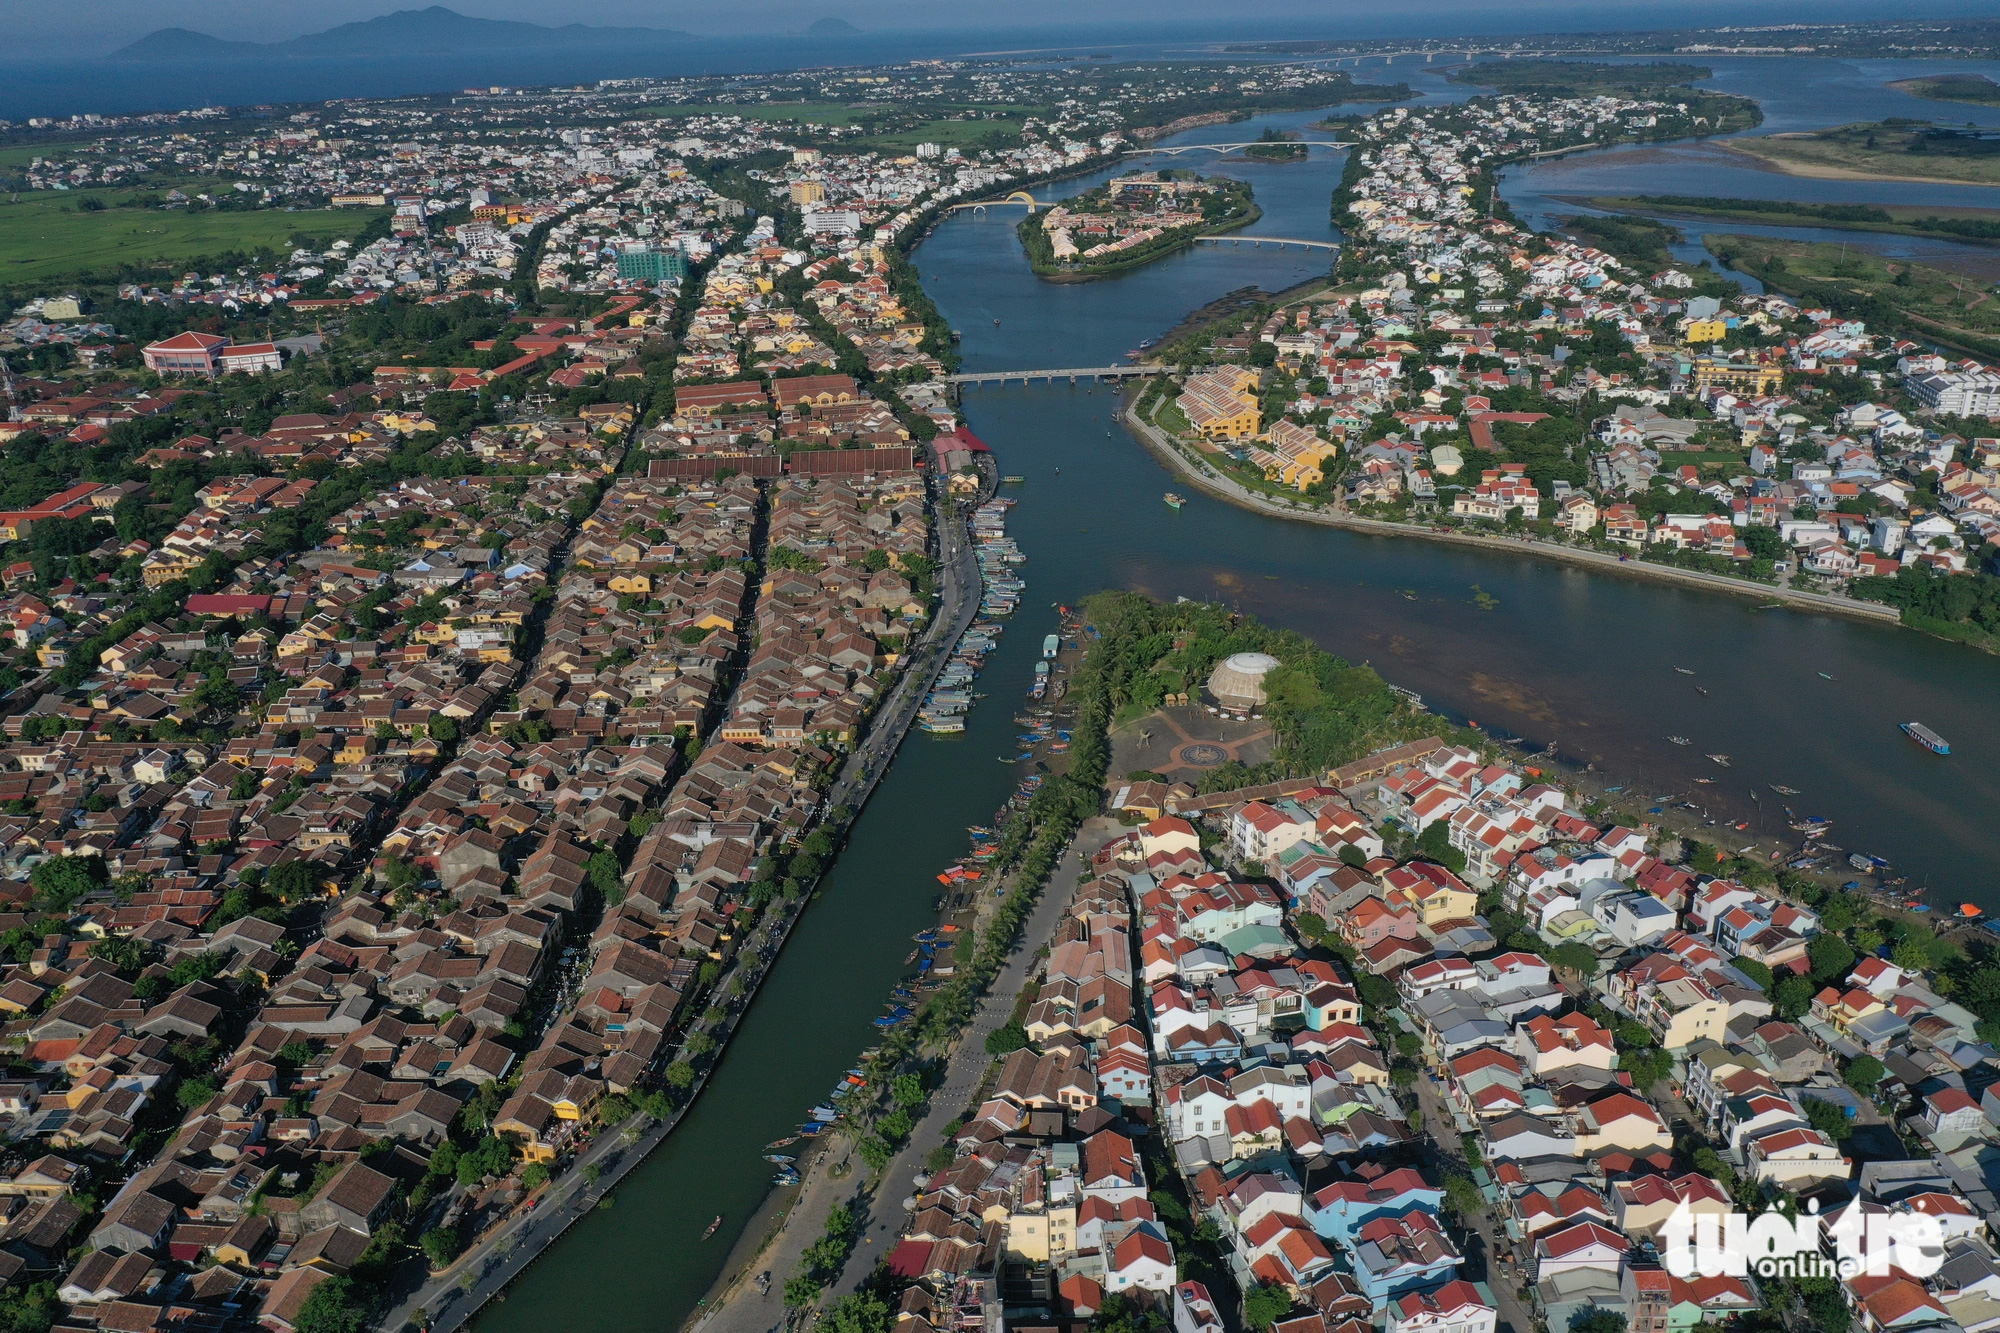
(1579, 658)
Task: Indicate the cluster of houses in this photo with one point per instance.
(1307, 1124)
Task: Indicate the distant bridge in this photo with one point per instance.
(1070, 373)
(1017, 197)
(1256, 241)
(1178, 149)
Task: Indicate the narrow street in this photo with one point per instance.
(1484, 1239)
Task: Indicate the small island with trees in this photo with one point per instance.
(1131, 220)
(1277, 146)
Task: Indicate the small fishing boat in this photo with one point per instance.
(1968, 912)
(1174, 501)
(1684, 671)
(1722, 759)
(785, 1142)
(1824, 676)
(713, 1227)
(1680, 740)
(1784, 791)
(1703, 781)
(786, 1178)
(779, 1159)
(1701, 689)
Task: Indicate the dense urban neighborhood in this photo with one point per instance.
(444, 646)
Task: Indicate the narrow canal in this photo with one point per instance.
(1581, 659)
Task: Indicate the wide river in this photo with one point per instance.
(1582, 659)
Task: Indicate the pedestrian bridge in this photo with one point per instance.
(1070, 373)
(1258, 241)
(1017, 197)
(1177, 149)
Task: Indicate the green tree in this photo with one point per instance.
(1002, 1040)
(62, 882)
(1264, 1306)
(1827, 1118)
(335, 1306)
(441, 1245)
(1864, 1074)
(1832, 959)
(1596, 1320)
(1574, 957)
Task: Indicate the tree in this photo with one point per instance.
(1831, 957)
(1004, 1040)
(680, 1074)
(1597, 1320)
(861, 1312)
(1264, 1306)
(442, 1245)
(1574, 957)
(1792, 997)
(290, 881)
(335, 1306)
(63, 881)
(1435, 843)
(1827, 1118)
(534, 1175)
(1754, 970)
(1864, 1074)
(801, 1291)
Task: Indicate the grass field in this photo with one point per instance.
(40, 242)
(1884, 151)
(819, 113)
(15, 158)
(1673, 458)
(1893, 295)
(1973, 226)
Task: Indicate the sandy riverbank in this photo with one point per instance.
(1826, 171)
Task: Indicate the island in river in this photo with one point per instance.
(1132, 220)
(1974, 226)
(1903, 150)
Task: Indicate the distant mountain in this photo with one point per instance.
(181, 44)
(833, 27)
(407, 32)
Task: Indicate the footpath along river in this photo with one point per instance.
(1571, 656)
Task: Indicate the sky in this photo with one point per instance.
(36, 27)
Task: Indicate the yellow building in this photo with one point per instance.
(1738, 377)
(1706, 331)
(1222, 404)
(807, 192)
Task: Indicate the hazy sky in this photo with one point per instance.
(36, 27)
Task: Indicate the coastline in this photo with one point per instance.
(1222, 488)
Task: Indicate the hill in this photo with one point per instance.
(407, 32)
(833, 27)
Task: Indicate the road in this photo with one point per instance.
(449, 1300)
(1482, 1238)
(880, 1215)
(1228, 488)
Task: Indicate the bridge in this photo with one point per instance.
(1178, 149)
(1255, 242)
(1070, 373)
(1017, 197)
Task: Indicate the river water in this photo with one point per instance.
(1579, 658)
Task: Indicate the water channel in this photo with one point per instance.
(1582, 659)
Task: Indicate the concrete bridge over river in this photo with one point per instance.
(1070, 373)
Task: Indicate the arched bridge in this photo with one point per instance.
(1177, 149)
(1257, 241)
(1017, 197)
(1070, 373)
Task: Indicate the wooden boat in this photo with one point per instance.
(1784, 791)
(712, 1227)
(1722, 759)
(1684, 671)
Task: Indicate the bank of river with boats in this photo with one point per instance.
(1535, 652)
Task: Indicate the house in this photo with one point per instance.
(1456, 1307)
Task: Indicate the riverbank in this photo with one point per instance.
(1895, 219)
(448, 1300)
(1050, 271)
(1223, 488)
(1856, 153)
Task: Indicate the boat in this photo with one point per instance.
(1703, 781)
(786, 1178)
(713, 1227)
(1927, 738)
(1859, 862)
(1680, 740)
(1968, 912)
(1701, 689)
(1824, 676)
(1684, 671)
(1722, 759)
(779, 1159)
(785, 1142)
(1174, 501)
(1051, 645)
(1013, 479)
(1784, 791)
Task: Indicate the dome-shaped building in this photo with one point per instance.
(1237, 683)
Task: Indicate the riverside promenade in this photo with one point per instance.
(1222, 487)
(878, 1207)
(446, 1301)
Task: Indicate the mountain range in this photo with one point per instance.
(407, 32)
